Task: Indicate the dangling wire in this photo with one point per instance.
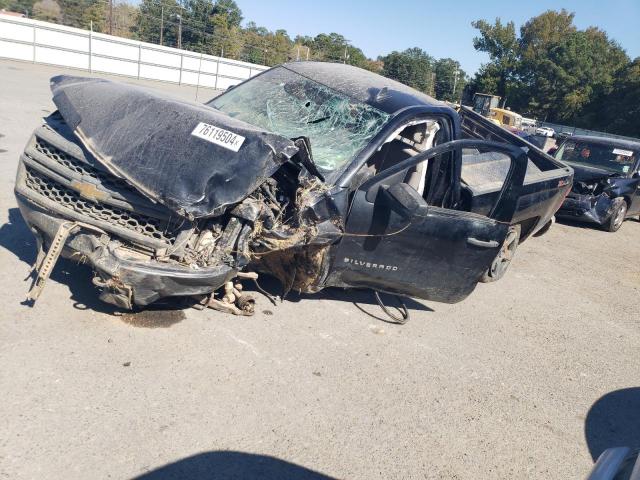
(271, 298)
(404, 311)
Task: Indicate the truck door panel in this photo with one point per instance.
(395, 241)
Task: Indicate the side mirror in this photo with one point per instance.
(401, 198)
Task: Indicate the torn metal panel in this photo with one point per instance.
(191, 158)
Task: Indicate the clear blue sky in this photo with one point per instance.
(442, 30)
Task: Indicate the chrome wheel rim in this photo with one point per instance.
(619, 218)
(503, 259)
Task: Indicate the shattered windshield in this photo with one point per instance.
(607, 157)
(292, 105)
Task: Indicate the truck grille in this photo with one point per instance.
(62, 158)
(142, 224)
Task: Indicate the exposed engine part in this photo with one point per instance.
(589, 188)
(233, 300)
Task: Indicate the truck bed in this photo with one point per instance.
(546, 183)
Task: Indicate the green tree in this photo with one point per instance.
(227, 38)
(157, 18)
(553, 70)
(84, 14)
(20, 6)
(278, 47)
(47, 10)
(413, 67)
(501, 43)
(565, 72)
(197, 24)
(230, 11)
(125, 19)
(254, 43)
(541, 33)
(329, 47)
(450, 80)
(620, 110)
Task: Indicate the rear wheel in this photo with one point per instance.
(501, 263)
(619, 211)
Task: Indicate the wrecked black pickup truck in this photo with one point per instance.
(317, 174)
(606, 190)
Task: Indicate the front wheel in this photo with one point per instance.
(501, 263)
(618, 212)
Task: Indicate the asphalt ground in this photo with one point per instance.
(530, 377)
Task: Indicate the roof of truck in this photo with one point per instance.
(614, 142)
(380, 92)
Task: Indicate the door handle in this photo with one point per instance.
(481, 243)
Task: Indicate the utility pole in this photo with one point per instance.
(298, 54)
(110, 17)
(455, 82)
(433, 84)
(345, 54)
(179, 32)
(307, 53)
(161, 24)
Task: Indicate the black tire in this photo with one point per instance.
(618, 213)
(501, 263)
(546, 227)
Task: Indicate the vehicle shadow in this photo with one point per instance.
(614, 421)
(591, 226)
(232, 465)
(363, 299)
(16, 237)
(584, 225)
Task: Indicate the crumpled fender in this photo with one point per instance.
(148, 139)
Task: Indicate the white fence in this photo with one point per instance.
(49, 43)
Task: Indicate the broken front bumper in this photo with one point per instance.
(124, 279)
(124, 233)
(586, 208)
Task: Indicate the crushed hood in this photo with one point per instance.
(192, 158)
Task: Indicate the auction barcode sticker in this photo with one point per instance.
(219, 136)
